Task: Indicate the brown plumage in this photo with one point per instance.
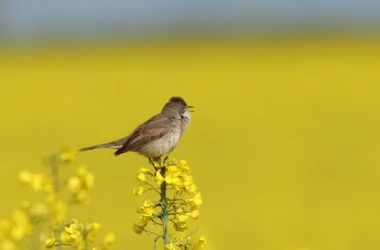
(157, 136)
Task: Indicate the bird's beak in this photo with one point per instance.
(190, 108)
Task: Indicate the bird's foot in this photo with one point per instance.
(165, 160)
(155, 162)
(158, 163)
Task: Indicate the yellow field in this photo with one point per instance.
(284, 144)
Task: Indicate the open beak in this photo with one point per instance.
(190, 108)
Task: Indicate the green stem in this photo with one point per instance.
(164, 212)
(155, 242)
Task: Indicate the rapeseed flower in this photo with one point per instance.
(201, 242)
(178, 202)
(139, 190)
(196, 200)
(67, 155)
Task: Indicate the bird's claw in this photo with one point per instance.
(155, 162)
(158, 162)
(165, 160)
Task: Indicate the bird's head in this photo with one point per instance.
(177, 105)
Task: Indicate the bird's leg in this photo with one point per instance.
(155, 162)
(150, 161)
(165, 160)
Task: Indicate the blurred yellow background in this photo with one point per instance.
(284, 144)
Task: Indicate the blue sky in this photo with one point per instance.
(33, 16)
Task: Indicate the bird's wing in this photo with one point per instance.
(151, 130)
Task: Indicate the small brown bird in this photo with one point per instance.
(157, 136)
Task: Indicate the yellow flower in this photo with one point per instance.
(72, 228)
(94, 226)
(21, 226)
(192, 189)
(182, 220)
(37, 182)
(196, 200)
(67, 155)
(141, 177)
(76, 236)
(172, 179)
(173, 169)
(40, 182)
(187, 179)
(148, 203)
(171, 246)
(183, 162)
(50, 243)
(159, 178)
(184, 166)
(194, 213)
(65, 237)
(178, 186)
(82, 196)
(201, 242)
(86, 178)
(181, 216)
(25, 176)
(8, 244)
(91, 238)
(109, 240)
(143, 170)
(185, 182)
(17, 233)
(74, 184)
(139, 190)
(181, 226)
(81, 171)
(89, 180)
(146, 211)
(91, 230)
(5, 227)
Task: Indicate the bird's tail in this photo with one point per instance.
(113, 145)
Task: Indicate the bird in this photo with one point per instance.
(156, 137)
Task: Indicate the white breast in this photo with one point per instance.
(161, 146)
